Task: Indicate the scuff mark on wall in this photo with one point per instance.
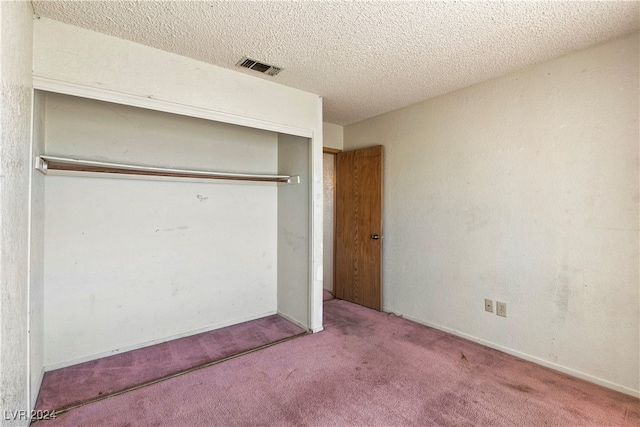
(476, 218)
(182, 227)
(295, 241)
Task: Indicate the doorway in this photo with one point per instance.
(357, 226)
(329, 181)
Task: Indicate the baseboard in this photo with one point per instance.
(209, 328)
(536, 360)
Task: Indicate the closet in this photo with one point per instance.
(160, 225)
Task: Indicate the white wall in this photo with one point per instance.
(333, 135)
(82, 62)
(36, 251)
(522, 189)
(15, 167)
(132, 262)
(294, 230)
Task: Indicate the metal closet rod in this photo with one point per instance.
(46, 164)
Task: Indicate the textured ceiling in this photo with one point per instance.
(363, 58)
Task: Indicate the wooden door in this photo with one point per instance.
(358, 226)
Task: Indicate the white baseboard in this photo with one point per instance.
(213, 327)
(536, 360)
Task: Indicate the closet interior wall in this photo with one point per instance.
(293, 228)
(132, 262)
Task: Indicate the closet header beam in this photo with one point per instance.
(47, 164)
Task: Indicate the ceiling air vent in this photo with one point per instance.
(252, 64)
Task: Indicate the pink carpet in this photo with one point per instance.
(366, 368)
(90, 380)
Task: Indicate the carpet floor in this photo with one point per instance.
(96, 379)
(366, 368)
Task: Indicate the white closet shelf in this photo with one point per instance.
(50, 165)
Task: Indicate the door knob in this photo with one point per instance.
(375, 236)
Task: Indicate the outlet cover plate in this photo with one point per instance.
(501, 308)
(488, 305)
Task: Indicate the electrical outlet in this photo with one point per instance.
(501, 308)
(488, 305)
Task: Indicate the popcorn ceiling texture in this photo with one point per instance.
(363, 58)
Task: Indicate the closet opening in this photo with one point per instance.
(129, 260)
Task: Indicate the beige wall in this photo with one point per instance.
(332, 135)
(522, 189)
